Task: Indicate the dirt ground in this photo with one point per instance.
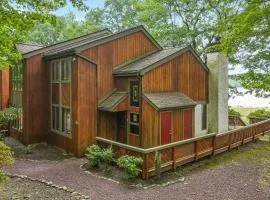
(18, 188)
(242, 174)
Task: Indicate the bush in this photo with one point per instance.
(260, 113)
(131, 165)
(234, 113)
(98, 156)
(7, 115)
(6, 158)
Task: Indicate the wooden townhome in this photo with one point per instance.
(120, 86)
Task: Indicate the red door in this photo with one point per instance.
(188, 123)
(165, 127)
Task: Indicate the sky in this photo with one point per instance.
(79, 14)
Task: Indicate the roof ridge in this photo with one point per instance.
(102, 30)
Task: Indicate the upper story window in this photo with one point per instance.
(134, 93)
(61, 95)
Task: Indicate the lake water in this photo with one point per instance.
(249, 101)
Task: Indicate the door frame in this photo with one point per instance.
(193, 121)
(160, 126)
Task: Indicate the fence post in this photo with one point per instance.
(145, 167)
(173, 159)
(214, 145)
(196, 150)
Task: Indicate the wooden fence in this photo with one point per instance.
(182, 152)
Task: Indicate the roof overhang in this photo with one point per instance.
(168, 100)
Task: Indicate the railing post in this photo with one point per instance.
(173, 159)
(145, 167)
(214, 144)
(196, 150)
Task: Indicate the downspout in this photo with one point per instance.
(140, 109)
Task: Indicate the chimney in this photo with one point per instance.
(218, 92)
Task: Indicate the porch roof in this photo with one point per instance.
(169, 100)
(112, 101)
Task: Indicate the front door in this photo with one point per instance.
(122, 127)
(188, 123)
(166, 127)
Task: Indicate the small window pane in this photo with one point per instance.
(134, 129)
(134, 93)
(66, 120)
(134, 118)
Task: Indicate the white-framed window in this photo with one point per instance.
(61, 95)
(134, 123)
(16, 94)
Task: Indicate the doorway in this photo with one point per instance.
(122, 127)
(166, 127)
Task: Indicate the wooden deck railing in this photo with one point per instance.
(182, 152)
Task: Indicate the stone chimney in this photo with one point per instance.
(218, 92)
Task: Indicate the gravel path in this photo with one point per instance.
(235, 181)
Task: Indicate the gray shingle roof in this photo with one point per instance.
(66, 44)
(146, 62)
(25, 48)
(112, 101)
(169, 100)
(106, 38)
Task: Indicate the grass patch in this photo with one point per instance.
(245, 111)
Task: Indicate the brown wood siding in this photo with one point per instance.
(107, 125)
(86, 104)
(184, 74)
(150, 126)
(114, 53)
(133, 140)
(4, 88)
(35, 99)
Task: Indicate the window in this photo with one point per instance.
(134, 93)
(61, 95)
(134, 124)
(204, 116)
(16, 94)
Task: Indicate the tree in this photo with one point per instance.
(17, 17)
(238, 28)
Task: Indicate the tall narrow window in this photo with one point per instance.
(61, 96)
(16, 94)
(134, 123)
(134, 93)
(204, 116)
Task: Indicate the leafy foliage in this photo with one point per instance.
(260, 113)
(233, 112)
(18, 17)
(131, 165)
(7, 115)
(98, 156)
(6, 158)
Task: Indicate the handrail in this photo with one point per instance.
(178, 143)
(153, 149)
(243, 128)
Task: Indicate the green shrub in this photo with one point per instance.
(6, 158)
(7, 115)
(98, 156)
(260, 113)
(131, 165)
(157, 163)
(234, 113)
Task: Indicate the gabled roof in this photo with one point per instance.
(152, 61)
(112, 101)
(71, 42)
(25, 48)
(77, 48)
(168, 100)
